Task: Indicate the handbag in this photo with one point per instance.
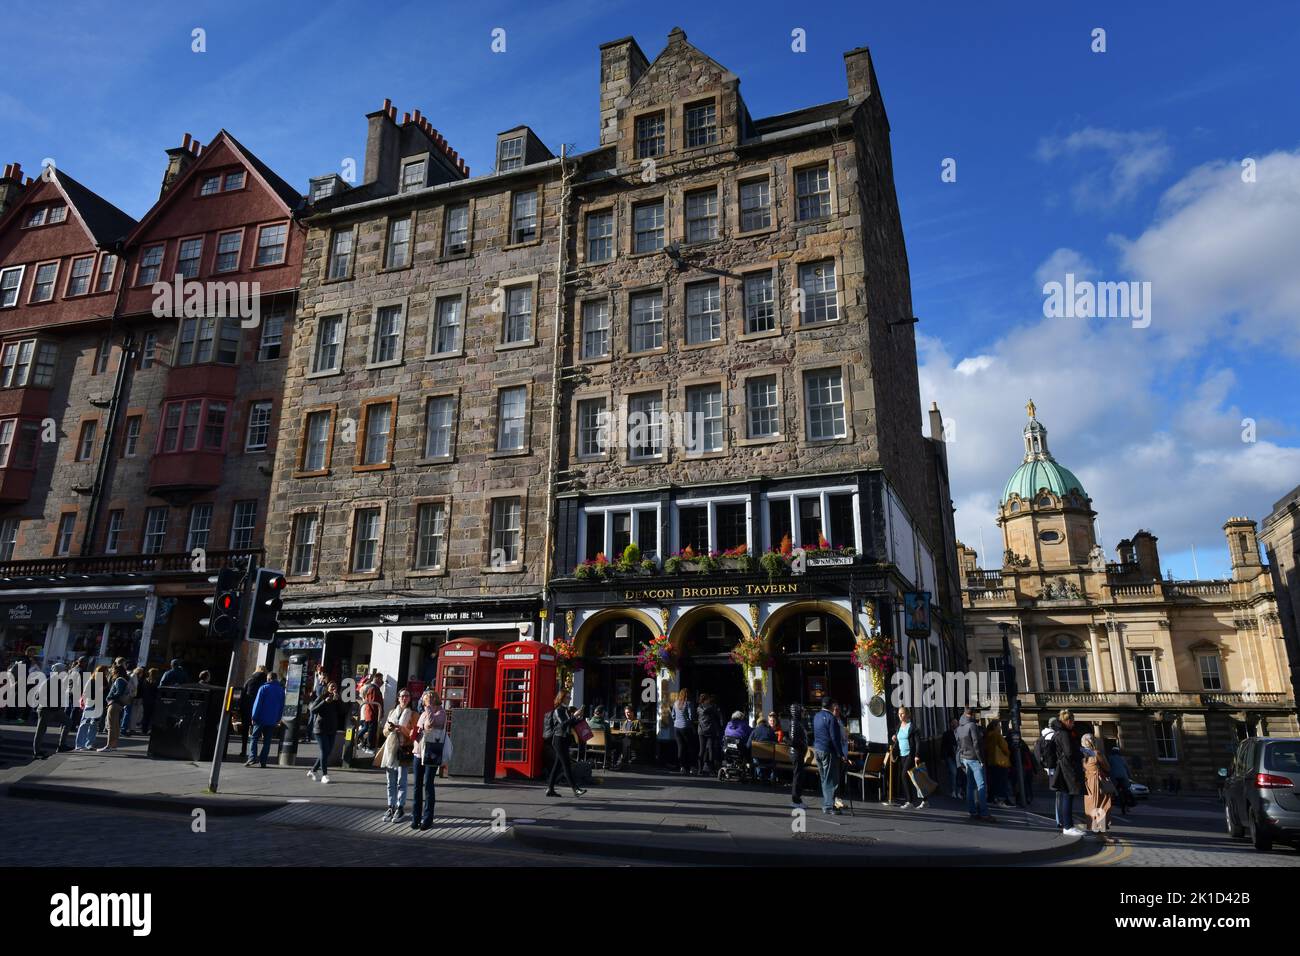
(1108, 787)
(921, 780)
(583, 729)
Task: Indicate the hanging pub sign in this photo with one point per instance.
(916, 613)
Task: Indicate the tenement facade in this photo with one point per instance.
(1176, 672)
(695, 340)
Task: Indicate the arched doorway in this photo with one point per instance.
(813, 653)
(611, 677)
(704, 641)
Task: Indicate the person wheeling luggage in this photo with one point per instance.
(556, 728)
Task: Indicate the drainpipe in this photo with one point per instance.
(548, 562)
(114, 410)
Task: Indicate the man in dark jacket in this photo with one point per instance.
(970, 751)
(175, 675)
(710, 733)
(949, 751)
(246, 698)
(266, 712)
(798, 751)
(1068, 779)
(831, 747)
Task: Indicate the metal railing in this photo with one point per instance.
(172, 562)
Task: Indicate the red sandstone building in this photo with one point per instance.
(143, 423)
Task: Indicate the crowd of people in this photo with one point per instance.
(129, 694)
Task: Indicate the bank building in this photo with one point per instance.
(1176, 672)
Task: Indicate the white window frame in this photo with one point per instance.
(712, 502)
(16, 289)
(253, 421)
(824, 495)
(636, 508)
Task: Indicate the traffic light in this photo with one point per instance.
(267, 600)
(223, 618)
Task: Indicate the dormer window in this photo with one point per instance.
(510, 154)
(233, 180)
(701, 124)
(221, 182)
(412, 176)
(210, 186)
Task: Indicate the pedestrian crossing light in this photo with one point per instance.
(223, 615)
(267, 601)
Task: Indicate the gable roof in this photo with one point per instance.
(290, 198)
(675, 38)
(104, 221)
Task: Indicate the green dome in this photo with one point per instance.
(1040, 473)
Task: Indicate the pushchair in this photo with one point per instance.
(735, 761)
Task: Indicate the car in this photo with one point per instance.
(1140, 791)
(1260, 795)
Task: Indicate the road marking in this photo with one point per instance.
(368, 820)
(1114, 853)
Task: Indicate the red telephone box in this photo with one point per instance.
(467, 669)
(525, 693)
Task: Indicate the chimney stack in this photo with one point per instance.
(621, 65)
(179, 160)
(383, 144)
(11, 185)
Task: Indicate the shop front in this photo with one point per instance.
(750, 643)
(102, 624)
(25, 627)
(400, 639)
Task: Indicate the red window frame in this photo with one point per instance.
(200, 426)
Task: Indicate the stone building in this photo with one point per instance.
(162, 413)
(460, 336)
(739, 372)
(412, 477)
(1281, 538)
(1175, 671)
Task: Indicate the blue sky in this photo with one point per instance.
(1122, 165)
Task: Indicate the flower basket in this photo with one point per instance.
(656, 656)
(749, 653)
(874, 653)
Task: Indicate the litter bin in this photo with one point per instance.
(186, 719)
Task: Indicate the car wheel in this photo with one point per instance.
(1235, 829)
(1258, 837)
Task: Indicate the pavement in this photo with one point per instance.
(638, 816)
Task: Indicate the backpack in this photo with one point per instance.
(548, 725)
(1045, 751)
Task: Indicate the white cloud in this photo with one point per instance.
(1133, 159)
(1221, 257)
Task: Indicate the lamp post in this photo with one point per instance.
(1013, 699)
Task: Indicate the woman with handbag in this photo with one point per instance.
(559, 724)
(328, 715)
(909, 741)
(397, 755)
(1099, 789)
(430, 739)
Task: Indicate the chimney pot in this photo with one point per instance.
(388, 105)
(392, 113)
(185, 143)
(416, 114)
(406, 118)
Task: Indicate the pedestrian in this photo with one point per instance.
(830, 747)
(683, 724)
(133, 693)
(1119, 773)
(77, 676)
(997, 758)
(265, 714)
(970, 751)
(148, 698)
(798, 752)
(1098, 787)
(247, 699)
(764, 732)
(90, 713)
(909, 741)
(948, 749)
(399, 751)
(1031, 766)
(327, 715)
(710, 725)
(1067, 782)
(116, 699)
(430, 736)
(175, 675)
(372, 698)
(49, 709)
(557, 729)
